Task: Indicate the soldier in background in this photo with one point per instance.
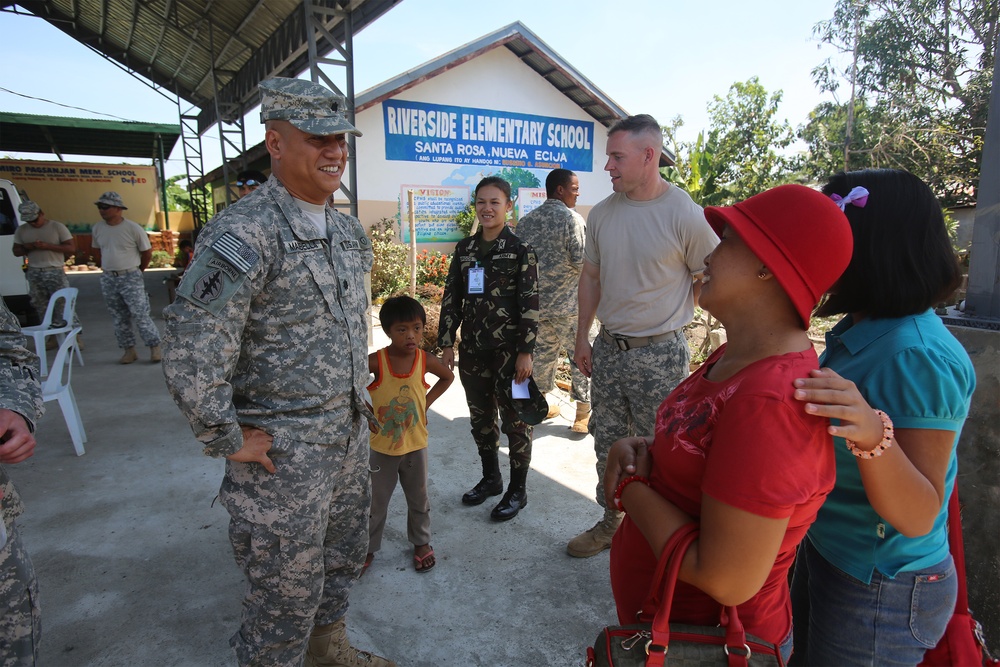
(266, 354)
(556, 233)
(20, 407)
(123, 250)
(46, 243)
(248, 181)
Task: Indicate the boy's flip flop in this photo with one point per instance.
(420, 563)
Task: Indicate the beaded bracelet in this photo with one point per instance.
(621, 488)
(885, 444)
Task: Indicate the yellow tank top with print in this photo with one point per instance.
(400, 403)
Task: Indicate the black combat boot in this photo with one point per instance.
(515, 498)
(490, 485)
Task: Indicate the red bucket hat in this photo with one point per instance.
(800, 234)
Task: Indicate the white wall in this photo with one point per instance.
(496, 80)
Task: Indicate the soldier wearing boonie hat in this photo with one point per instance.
(266, 350)
(122, 248)
(111, 198)
(46, 243)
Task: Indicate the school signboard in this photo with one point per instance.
(440, 133)
(66, 191)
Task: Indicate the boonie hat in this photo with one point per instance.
(800, 234)
(531, 410)
(308, 106)
(29, 211)
(112, 198)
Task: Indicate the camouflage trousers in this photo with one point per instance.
(627, 387)
(42, 284)
(20, 620)
(127, 301)
(557, 336)
(300, 536)
(486, 377)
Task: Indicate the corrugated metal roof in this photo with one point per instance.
(193, 48)
(85, 136)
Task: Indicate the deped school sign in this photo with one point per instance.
(435, 133)
(66, 191)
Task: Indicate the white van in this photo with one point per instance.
(13, 284)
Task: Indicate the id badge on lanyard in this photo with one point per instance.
(477, 279)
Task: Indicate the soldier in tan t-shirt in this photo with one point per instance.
(124, 251)
(645, 246)
(46, 243)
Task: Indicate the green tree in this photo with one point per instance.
(697, 170)
(740, 155)
(747, 139)
(920, 73)
(179, 198)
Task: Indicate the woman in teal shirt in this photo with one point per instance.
(874, 581)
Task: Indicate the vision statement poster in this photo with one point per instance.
(419, 132)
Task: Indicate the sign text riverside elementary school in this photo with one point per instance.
(418, 132)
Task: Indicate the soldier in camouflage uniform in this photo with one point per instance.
(123, 250)
(20, 407)
(492, 292)
(266, 355)
(646, 246)
(45, 243)
(556, 233)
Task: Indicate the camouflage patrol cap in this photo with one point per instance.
(112, 198)
(531, 410)
(29, 211)
(308, 106)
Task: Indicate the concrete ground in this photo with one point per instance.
(135, 568)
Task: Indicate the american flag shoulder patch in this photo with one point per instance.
(236, 252)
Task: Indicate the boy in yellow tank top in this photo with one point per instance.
(400, 399)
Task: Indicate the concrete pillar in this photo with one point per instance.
(979, 479)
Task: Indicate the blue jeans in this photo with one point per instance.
(842, 621)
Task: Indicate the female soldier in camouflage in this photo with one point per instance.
(492, 292)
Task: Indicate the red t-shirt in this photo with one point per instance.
(747, 443)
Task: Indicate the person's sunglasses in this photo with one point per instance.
(103, 207)
(250, 182)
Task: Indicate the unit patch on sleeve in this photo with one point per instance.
(215, 277)
(236, 252)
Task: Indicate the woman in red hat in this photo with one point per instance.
(733, 450)
(874, 582)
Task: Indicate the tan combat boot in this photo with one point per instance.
(582, 419)
(154, 354)
(554, 409)
(129, 356)
(598, 538)
(329, 647)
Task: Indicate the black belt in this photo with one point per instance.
(626, 343)
(121, 273)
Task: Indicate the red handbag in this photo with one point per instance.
(648, 644)
(963, 642)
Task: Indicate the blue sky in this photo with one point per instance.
(663, 57)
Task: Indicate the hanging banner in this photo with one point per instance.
(436, 208)
(434, 133)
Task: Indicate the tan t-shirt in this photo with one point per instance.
(52, 232)
(121, 245)
(648, 253)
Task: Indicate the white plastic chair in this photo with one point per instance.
(57, 388)
(38, 333)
